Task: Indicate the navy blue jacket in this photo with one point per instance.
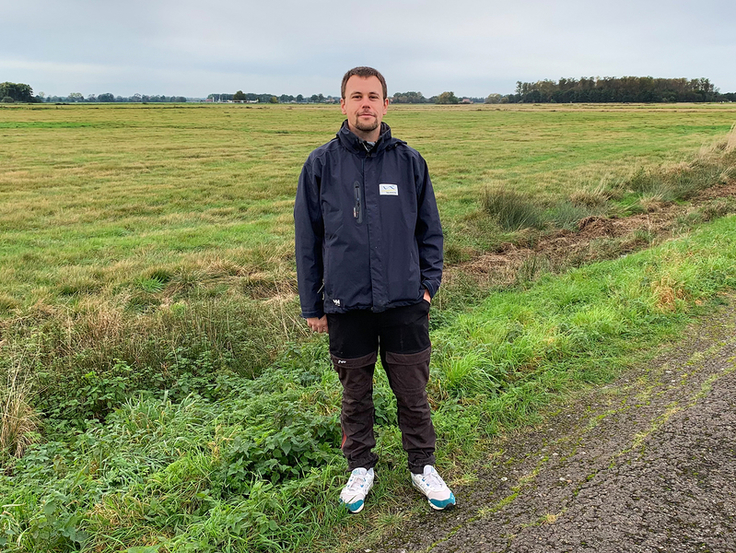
(368, 233)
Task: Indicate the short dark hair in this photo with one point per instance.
(364, 72)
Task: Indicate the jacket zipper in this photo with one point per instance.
(358, 209)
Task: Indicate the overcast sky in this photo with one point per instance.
(471, 47)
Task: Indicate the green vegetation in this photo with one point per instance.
(162, 393)
(640, 191)
(447, 98)
(254, 465)
(17, 92)
(621, 89)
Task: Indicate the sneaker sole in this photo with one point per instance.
(448, 503)
(352, 507)
(445, 505)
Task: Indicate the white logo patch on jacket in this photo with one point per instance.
(388, 189)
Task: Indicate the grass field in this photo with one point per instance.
(162, 391)
(94, 197)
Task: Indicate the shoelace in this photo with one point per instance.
(355, 482)
(434, 480)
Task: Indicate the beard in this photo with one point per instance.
(366, 126)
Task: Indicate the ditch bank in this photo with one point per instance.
(596, 238)
(645, 464)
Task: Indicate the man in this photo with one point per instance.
(369, 261)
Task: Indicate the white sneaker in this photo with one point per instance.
(358, 486)
(431, 484)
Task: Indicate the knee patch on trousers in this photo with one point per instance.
(356, 374)
(408, 371)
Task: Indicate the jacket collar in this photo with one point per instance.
(355, 144)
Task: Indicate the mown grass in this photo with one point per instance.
(114, 191)
(130, 211)
(644, 189)
(149, 329)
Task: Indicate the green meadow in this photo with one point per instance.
(95, 197)
(159, 390)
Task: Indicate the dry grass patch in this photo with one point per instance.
(19, 422)
(668, 293)
(8, 304)
(592, 196)
(99, 323)
(731, 140)
(721, 145)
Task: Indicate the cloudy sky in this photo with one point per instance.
(472, 47)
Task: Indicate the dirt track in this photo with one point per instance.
(646, 464)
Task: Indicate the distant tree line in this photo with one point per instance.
(109, 97)
(241, 96)
(583, 90)
(447, 97)
(397, 98)
(17, 92)
(410, 98)
(614, 89)
(23, 93)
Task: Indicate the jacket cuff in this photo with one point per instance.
(310, 314)
(430, 288)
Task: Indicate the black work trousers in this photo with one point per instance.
(403, 336)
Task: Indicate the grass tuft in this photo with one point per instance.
(566, 215)
(683, 181)
(668, 293)
(512, 210)
(731, 140)
(19, 422)
(593, 196)
(8, 304)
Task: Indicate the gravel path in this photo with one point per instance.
(647, 464)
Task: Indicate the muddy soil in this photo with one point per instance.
(646, 464)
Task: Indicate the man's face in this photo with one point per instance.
(365, 106)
